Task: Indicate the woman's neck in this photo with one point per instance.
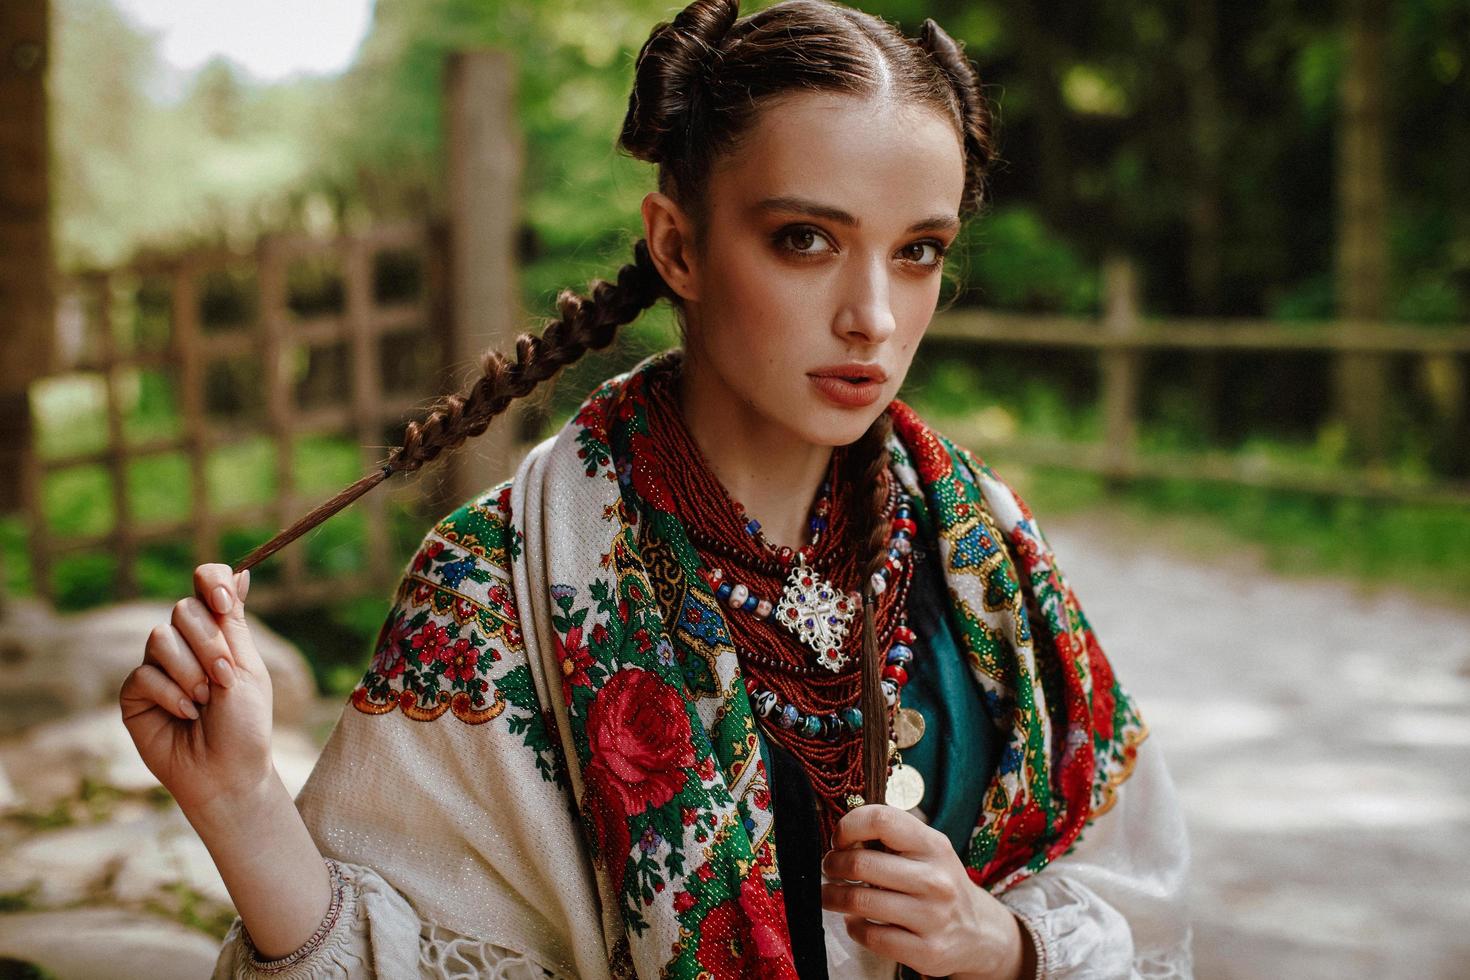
(774, 474)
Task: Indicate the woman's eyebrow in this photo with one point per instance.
(801, 205)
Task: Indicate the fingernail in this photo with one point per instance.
(224, 673)
(187, 707)
(221, 599)
(244, 584)
(201, 692)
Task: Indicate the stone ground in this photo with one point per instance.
(1317, 732)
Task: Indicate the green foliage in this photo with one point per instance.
(131, 171)
(14, 969)
(1015, 262)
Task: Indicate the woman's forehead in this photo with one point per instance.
(870, 157)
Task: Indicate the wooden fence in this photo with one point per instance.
(344, 347)
(1122, 338)
(302, 337)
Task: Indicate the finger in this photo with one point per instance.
(223, 594)
(147, 686)
(899, 830)
(167, 651)
(876, 903)
(878, 868)
(214, 585)
(888, 941)
(197, 626)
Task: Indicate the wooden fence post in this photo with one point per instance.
(484, 151)
(367, 395)
(1360, 380)
(187, 353)
(277, 350)
(123, 546)
(1119, 370)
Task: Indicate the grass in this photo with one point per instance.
(191, 908)
(1419, 547)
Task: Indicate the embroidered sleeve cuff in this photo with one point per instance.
(339, 917)
(1036, 936)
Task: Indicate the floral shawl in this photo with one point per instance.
(600, 775)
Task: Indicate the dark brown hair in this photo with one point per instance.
(700, 82)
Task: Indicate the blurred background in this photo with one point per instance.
(1214, 325)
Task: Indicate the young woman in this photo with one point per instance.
(747, 672)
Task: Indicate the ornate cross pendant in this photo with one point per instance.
(817, 612)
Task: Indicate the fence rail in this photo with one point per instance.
(1122, 337)
(272, 339)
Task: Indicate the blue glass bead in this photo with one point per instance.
(789, 715)
(900, 654)
(811, 725)
(819, 523)
(723, 592)
(853, 718)
(750, 603)
(752, 526)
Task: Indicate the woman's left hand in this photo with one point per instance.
(929, 914)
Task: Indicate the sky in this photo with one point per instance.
(271, 39)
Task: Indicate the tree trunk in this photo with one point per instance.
(1362, 235)
(1206, 255)
(25, 230)
(1041, 60)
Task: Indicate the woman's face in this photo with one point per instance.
(824, 247)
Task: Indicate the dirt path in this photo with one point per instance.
(1319, 734)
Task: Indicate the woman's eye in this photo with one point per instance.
(915, 252)
(799, 240)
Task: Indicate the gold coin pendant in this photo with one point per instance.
(908, 727)
(905, 787)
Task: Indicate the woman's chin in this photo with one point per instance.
(828, 427)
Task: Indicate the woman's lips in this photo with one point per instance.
(848, 394)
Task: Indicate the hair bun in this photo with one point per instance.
(671, 73)
(965, 80)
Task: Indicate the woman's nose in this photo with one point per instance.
(866, 313)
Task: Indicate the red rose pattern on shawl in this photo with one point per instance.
(739, 937)
(640, 734)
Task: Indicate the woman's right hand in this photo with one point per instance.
(199, 707)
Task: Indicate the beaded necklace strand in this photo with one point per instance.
(807, 704)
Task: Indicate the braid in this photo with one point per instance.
(975, 122)
(867, 466)
(584, 323)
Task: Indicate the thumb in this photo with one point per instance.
(234, 625)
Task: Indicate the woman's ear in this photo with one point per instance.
(670, 235)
